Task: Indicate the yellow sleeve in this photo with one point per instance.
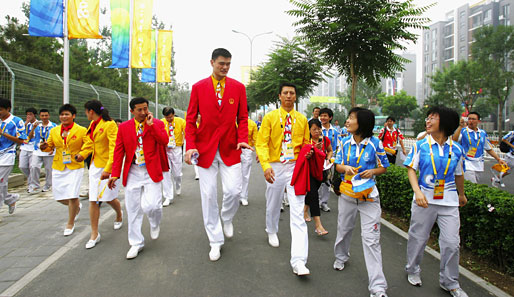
(87, 147)
(306, 134)
(112, 133)
(262, 143)
(254, 133)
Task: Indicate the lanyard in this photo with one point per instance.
(44, 134)
(172, 130)
(139, 135)
(432, 157)
(469, 138)
(292, 122)
(4, 124)
(360, 155)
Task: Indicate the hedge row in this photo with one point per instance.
(487, 221)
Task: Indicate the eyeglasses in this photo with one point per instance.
(432, 119)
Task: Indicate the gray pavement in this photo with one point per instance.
(177, 264)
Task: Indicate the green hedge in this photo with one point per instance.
(487, 221)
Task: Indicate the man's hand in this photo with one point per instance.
(269, 175)
(111, 183)
(36, 123)
(43, 146)
(244, 145)
(462, 123)
(105, 175)
(463, 200)
(189, 153)
(404, 152)
(503, 163)
(79, 158)
(257, 158)
(149, 119)
(421, 200)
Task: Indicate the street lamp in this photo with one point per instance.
(251, 44)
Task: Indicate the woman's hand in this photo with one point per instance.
(421, 200)
(367, 173)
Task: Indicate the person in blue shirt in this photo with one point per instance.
(27, 148)
(40, 134)
(438, 194)
(474, 142)
(259, 122)
(336, 125)
(12, 132)
(360, 158)
(325, 116)
(509, 158)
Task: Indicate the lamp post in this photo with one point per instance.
(251, 44)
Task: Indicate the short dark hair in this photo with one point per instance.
(5, 103)
(43, 110)
(474, 112)
(317, 107)
(391, 118)
(328, 111)
(365, 120)
(448, 119)
(68, 107)
(118, 121)
(167, 111)
(136, 101)
(314, 122)
(220, 52)
(31, 109)
(286, 84)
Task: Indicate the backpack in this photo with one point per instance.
(504, 147)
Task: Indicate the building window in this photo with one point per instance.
(506, 11)
(476, 21)
(448, 42)
(488, 15)
(434, 55)
(448, 54)
(427, 36)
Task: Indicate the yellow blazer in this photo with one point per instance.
(74, 143)
(103, 146)
(179, 129)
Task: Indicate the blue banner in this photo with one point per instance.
(148, 74)
(46, 18)
(120, 33)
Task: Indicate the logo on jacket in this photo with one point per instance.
(101, 130)
(74, 137)
(231, 101)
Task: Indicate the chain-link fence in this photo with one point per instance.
(30, 87)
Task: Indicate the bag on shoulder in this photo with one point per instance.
(504, 147)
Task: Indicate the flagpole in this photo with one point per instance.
(131, 12)
(66, 66)
(156, 83)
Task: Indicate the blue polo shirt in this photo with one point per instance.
(469, 139)
(41, 134)
(13, 126)
(28, 145)
(510, 138)
(332, 134)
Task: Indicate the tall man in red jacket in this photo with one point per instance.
(221, 101)
(142, 142)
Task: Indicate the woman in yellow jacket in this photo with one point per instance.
(100, 142)
(67, 139)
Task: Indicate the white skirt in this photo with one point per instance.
(66, 183)
(96, 186)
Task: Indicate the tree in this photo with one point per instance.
(457, 85)
(399, 105)
(290, 61)
(493, 49)
(359, 38)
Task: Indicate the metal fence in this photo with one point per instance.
(30, 87)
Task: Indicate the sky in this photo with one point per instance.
(200, 26)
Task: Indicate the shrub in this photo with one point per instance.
(486, 221)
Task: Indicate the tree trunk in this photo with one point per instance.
(500, 120)
(354, 80)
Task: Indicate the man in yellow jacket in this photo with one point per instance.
(175, 128)
(282, 134)
(246, 160)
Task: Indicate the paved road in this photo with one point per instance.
(177, 264)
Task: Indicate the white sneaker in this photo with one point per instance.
(300, 269)
(244, 202)
(167, 202)
(228, 229)
(494, 182)
(178, 189)
(68, 232)
(92, 242)
(455, 292)
(12, 208)
(215, 253)
(197, 177)
(378, 294)
(154, 233)
(338, 265)
(285, 200)
(134, 251)
(273, 240)
(414, 279)
(325, 207)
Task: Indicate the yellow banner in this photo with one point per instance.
(165, 43)
(83, 19)
(324, 99)
(142, 34)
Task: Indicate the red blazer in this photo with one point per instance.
(304, 168)
(155, 140)
(217, 128)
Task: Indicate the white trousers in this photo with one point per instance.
(246, 168)
(324, 194)
(175, 172)
(25, 164)
(5, 197)
(142, 196)
(421, 223)
(472, 176)
(274, 194)
(231, 183)
(35, 170)
(370, 212)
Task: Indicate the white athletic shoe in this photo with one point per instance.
(154, 233)
(167, 202)
(228, 229)
(300, 269)
(273, 240)
(414, 279)
(134, 251)
(215, 253)
(338, 265)
(244, 202)
(178, 189)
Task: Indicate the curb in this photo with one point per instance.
(463, 271)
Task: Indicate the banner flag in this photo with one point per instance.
(45, 19)
(120, 33)
(165, 44)
(142, 34)
(148, 74)
(83, 19)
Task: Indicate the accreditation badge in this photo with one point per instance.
(439, 189)
(140, 157)
(472, 152)
(66, 157)
(171, 142)
(288, 150)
